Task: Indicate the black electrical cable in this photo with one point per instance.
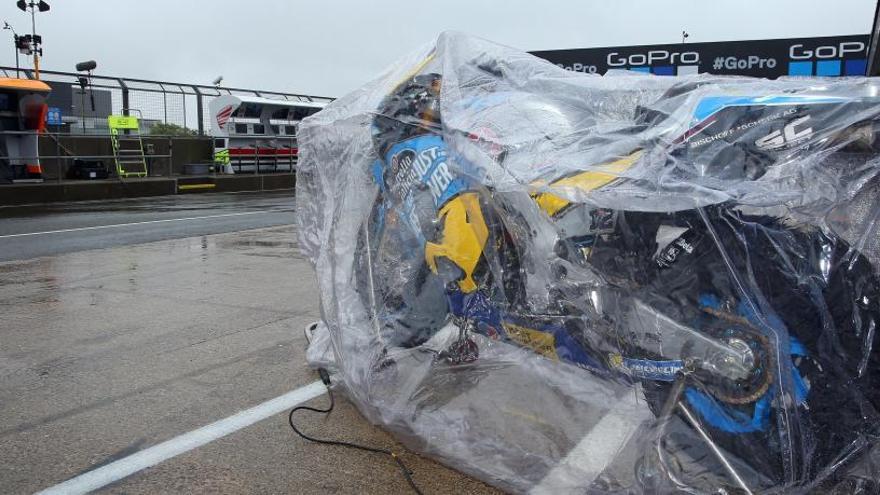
(325, 377)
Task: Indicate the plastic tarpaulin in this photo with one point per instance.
(565, 283)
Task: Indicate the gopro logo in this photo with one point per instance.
(798, 52)
(653, 56)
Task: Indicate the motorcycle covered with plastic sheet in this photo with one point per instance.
(564, 283)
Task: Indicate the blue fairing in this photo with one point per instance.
(377, 170)
(474, 306)
(712, 104)
(728, 419)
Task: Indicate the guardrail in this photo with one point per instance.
(165, 155)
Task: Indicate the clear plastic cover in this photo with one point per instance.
(565, 283)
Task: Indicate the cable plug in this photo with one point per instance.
(325, 376)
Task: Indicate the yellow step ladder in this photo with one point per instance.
(128, 147)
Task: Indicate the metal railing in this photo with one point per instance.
(165, 156)
(180, 104)
(57, 166)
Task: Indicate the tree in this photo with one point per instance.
(168, 129)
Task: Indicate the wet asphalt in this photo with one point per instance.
(51, 229)
(116, 339)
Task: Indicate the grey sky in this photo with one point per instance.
(330, 47)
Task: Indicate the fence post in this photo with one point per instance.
(124, 95)
(58, 155)
(170, 157)
(200, 111)
(164, 103)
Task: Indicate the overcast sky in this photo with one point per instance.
(327, 47)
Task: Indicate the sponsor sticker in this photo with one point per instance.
(668, 255)
(422, 161)
(647, 369)
(541, 342)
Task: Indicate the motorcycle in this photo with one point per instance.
(749, 323)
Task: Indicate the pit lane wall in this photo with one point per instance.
(91, 190)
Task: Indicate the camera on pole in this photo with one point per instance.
(30, 44)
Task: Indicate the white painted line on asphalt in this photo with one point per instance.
(139, 461)
(592, 455)
(117, 225)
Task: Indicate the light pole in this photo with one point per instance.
(14, 43)
(88, 66)
(34, 40)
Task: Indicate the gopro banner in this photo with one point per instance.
(828, 56)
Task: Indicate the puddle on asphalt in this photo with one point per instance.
(267, 244)
(28, 272)
(263, 248)
(47, 282)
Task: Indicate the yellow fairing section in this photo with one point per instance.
(463, 239)
(585, 181)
